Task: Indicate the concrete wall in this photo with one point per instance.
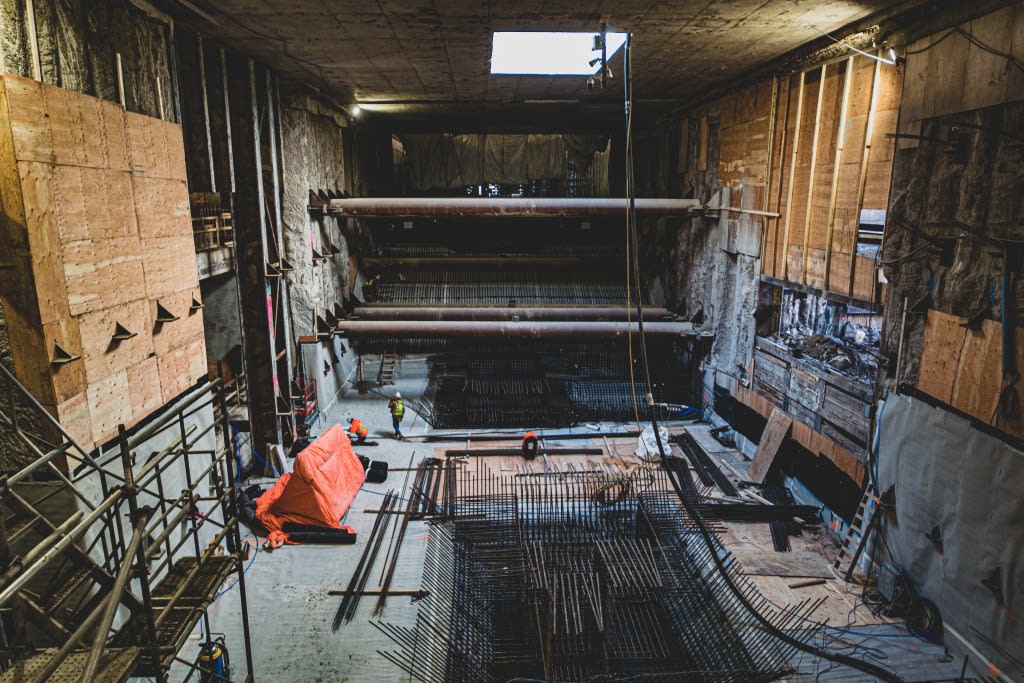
(223, 327)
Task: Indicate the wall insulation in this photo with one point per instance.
(951, 477)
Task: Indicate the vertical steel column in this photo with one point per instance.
(251, 255)
(234, 536)
(132, 494)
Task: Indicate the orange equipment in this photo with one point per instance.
(326, 477)
(530, 445)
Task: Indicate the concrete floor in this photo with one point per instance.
(290, 611)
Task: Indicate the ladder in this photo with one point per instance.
(388, 368)
(859, 531)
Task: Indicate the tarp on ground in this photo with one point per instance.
(324, 482)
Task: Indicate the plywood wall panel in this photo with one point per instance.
(31, 134)
(166, 272)
(161, 207)
(978, 376)
(75, 419)
(68, 379)
(181, 368)
(93, 203)
(44, 240)
(102, 273)
(110, 404)
(100, 356)
(944, 342)
(144, 387)
(181, 332)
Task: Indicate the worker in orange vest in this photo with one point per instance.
(359, 428)
(530, 445)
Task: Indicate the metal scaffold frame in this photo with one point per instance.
(114, 590)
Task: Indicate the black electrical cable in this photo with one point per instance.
(852, 662)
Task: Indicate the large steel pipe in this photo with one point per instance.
(414, 207)
(556, 313)
(509, 329)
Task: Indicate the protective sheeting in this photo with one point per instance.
(326, 477)
(950, 475)
(442, 161)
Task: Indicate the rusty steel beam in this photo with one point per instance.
(509, 329)
(505, 207)
(474, 262)
(480, 313)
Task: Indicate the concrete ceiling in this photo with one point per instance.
(417, 57)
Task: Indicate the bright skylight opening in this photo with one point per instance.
(549, 53)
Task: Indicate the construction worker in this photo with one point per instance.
(397, 408)
(530, 445)
(358, 428)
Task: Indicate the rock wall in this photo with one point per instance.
(314, 159)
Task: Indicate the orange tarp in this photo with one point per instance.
(326, 477)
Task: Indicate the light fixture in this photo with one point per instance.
(356, 111)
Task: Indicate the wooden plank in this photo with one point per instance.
(68, 379)
(771, 372)
(836, 167)
(774, 434)
(812, 170)
(943, 343)
(805, 388)
(702, 145)
(978, 376)
(865, 280)
(792, 177)
(865, 158)
(845, 411)
(756, 562)
(839, 436)
(74, 417)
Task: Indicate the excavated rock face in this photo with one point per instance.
(313, 160)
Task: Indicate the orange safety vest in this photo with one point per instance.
(358, 428)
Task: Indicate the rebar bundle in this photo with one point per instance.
(579, 576)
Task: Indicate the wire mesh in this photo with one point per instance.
(578, 576)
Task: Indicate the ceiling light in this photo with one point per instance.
(356, 111)
(549, 53)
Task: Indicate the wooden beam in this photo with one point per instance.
(768, 166)
(33, 40)
(869, 129)
(810, 176)
(837, 161)
(784, 141)
(792, 176)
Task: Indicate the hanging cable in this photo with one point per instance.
(853, 662)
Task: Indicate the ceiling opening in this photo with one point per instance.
(550, 53)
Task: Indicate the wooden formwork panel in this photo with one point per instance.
(943, 341)
(101, 273)
(170, 265)
(155, 148)
(43, 240)
(76, 420)
(144, 387)
(180, 368)
(68, 379)
(93, 203)
(865, 278)
(110, 404)
(177, 333)
(161, 207)
(100, 354)
(979, 375)
(28, 121)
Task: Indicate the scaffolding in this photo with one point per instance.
(114, 589)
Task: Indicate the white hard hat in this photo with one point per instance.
(398, 395)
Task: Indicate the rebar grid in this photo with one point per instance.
(499, 287)
(576, 576)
